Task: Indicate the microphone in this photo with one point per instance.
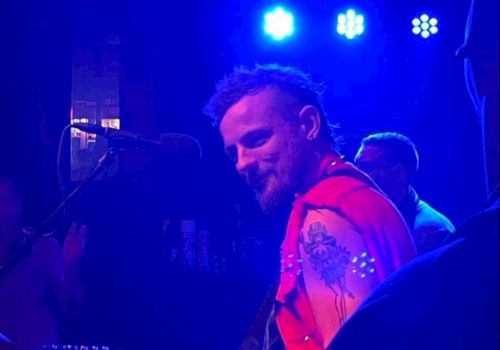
(169, 143)
(115, 134)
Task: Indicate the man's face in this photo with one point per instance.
(10, 204)
(268, 149)
(484, 71)
(373, 160)
(481, 80)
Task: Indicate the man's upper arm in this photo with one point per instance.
(338, 271)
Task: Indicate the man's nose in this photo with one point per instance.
(246, 162)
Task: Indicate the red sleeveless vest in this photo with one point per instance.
(347, 190)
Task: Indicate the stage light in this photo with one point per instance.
(278, 23)
(350, 24)
(424, 26)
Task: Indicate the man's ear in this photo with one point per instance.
(403, 172)
(310, 121)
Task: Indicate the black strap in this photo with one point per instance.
(259, 324)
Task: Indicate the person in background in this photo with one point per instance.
(480, 54)
(42, 283)
(391, 159)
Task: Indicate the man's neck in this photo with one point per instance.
(401, 199)
(314, 167)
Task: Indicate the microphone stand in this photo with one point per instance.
(103, 164)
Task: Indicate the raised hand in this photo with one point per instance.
(74, 244)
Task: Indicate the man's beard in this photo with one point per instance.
(273, 202)
(283, 195)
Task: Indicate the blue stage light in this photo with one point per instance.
(424, 26)
(279, 23)
(350, 24)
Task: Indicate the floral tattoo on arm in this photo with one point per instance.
(331, 261)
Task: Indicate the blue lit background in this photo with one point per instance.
(172, 54)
